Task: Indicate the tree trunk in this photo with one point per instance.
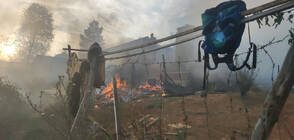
(276, 99)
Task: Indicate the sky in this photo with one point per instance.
(122, 20)
(126, 20)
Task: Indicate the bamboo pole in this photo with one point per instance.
(276, 98)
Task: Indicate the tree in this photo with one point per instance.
(277, 20)
(92, 34)
(245, 80)
(36, 32)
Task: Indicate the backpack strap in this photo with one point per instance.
(215, 59)
(245, 63)
(228, 58)
(206, 57)
(199, 50)
(254, 55)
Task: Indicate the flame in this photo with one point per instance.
(108, 91)
(153, 88)
(163, 94)
(109, 88)
(96, 107)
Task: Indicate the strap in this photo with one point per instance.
(245, 63)
(204, 77)
(228, 59)
(199, 50)
(254, 55)
(215, 59)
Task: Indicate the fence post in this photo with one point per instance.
(276, 98)
(116, 110)
(180, 71)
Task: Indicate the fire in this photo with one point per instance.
(109, 88)
(153, 88)
(96, 107)
(163, 94)
(121, 84)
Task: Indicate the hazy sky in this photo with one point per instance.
(124, 20)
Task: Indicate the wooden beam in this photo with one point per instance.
(152, 123)
(79, 50)
(277, 9)
(276, 98)
(94, 122)
(156, 49)
(264, 7)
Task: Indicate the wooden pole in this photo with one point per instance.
(164, 69)
(116, 109)
(133, 74)
(180, 76)
(69, 51)
(276, 98)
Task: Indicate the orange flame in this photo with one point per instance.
(153, 88)
(163, 94)
(108, 91)
(109, 88)
(96, 107)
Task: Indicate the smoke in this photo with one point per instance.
(127, 20)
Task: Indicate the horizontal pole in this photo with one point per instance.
(264, 7)
(269, 12)
(79, 50)
(156, 49)
(199, 28)
(157, 41)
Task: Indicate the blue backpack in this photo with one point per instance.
(223, 33)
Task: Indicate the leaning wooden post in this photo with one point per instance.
(276, 98)
(116, 109)
(86, 100)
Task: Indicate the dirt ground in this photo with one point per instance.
(225, 119)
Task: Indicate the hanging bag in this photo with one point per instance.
(223, 33)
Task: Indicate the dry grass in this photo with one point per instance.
(222, 122)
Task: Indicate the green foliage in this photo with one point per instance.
(290, 18)
(277, 20)
(291, 32)
(35, 34)
(91, 35)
